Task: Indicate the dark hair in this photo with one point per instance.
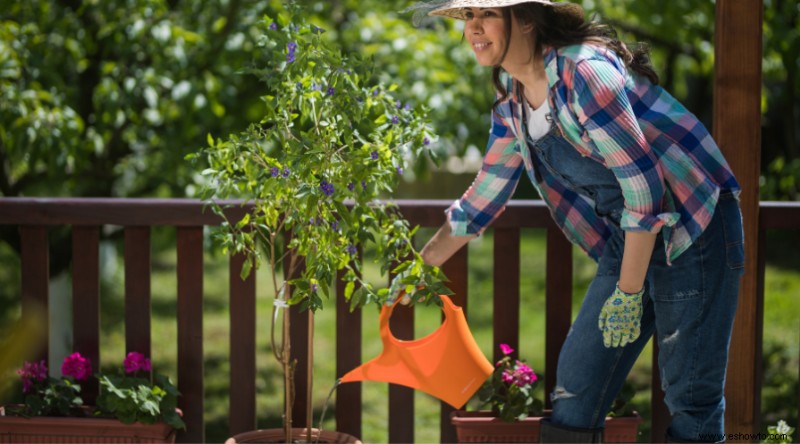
(558, 30)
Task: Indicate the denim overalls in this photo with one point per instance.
(690, 304)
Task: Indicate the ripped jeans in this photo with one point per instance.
(691, 306)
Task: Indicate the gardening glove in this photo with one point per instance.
(398, 289)
(620, 318)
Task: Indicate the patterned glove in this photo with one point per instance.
(400, 286)
(398, 289)
(620, 318)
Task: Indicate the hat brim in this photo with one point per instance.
(457, 8)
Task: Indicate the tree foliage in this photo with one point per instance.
(105, 98)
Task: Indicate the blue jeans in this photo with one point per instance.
(690, 305)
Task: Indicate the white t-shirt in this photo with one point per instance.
(538, 122)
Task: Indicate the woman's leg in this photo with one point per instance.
(589, 374)
(694, 302)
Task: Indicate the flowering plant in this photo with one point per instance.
(330, 144)
(138, 395)
(48, 396)
(135, 396)
(509, 390)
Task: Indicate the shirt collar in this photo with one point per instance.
(551, 65)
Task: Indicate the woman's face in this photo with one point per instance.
(485, 30)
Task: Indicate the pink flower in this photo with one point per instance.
(507, 377)
(136, 361)
(523, 375)
(506, 349)
(77, 366)
(30, 372)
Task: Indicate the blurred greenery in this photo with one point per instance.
(105, 98)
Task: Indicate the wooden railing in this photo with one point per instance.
(34, 217)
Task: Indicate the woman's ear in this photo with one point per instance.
(525, 27)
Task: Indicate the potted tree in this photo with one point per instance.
(330, 144)
(514, 412)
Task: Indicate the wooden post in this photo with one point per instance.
(737, 130)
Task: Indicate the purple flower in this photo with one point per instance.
(352, 250)
(273, 26)
(327, 188)
(275, 171)
(286, 172)
(395, 120)
(399, 170)
(399, 104)
(407, 107)
(426, 141)
(375, 93)
(331, 91)
(290, 49)
(299, 86)
(363, 185)
(314, 288)
(32, 372)
(351, 186)
(317, 29)
(506, 349)
(335, 225)
(374, 155)
(77, 367)
(136, 361)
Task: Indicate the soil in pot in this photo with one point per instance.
(299, 434)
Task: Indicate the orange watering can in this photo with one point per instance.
(446, 364)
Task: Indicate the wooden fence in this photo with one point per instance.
(87, 216)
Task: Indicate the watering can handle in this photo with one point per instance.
(448, 307)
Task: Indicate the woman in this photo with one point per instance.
(631, 177)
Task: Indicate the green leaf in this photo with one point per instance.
(348, 290)
(247, 267)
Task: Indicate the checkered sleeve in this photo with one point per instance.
(600, 101)
(494, 185)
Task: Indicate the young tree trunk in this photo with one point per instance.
(288, 383)
(310, 380)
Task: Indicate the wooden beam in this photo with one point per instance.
(456, 269)
(737, 130)
(86, 302)
(35, 264)
(505, 288)
(190, 333)
(242, 296)
(558, 303)
(137, 291)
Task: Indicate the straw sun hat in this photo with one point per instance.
(456, 8)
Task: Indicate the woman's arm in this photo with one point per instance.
(635, 260)
(443, 245)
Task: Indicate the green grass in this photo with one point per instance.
(781, 335)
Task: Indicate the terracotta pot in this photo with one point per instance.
(482, 426)
(16, 429)
(299, 434)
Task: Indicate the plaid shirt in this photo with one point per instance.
(669, 168)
